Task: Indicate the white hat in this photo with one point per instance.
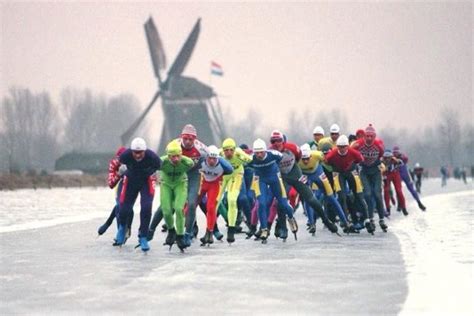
(305, 151)
(259, 145)
(342, 141)
(334, 128)
(212, 151)
(138, 144)
(318, 130)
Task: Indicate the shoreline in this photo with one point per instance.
(14, 181)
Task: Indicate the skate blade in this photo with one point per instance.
(137, 246)
(264, 241)
(296, 237)
(337, 233)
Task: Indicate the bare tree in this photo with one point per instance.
(93, 123)
(30, 124)
(449, 134)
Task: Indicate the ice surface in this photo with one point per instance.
(423, 265)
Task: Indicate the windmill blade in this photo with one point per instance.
(185, 53)
(128, 134)
(157, 52)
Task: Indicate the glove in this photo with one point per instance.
(122, 169)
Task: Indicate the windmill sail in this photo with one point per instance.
(184, 100)
(185, 53)
(132, 129)
(157, 53)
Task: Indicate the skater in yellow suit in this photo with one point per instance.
(233, 184)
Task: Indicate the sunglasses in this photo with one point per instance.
(138, 152)
(273, 141)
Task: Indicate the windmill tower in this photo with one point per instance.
(185, 100)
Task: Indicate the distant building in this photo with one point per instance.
(93, 163)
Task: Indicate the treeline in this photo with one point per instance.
(446, 142)
(35, 130)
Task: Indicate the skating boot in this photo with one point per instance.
(421, 206)
(283, 233)
(383, 225)
(258, 233)
(404, 211)
(151, 233)
(144, 244)
(207, 239)
(293, 226)
(331, 226)
(230, 234)
(251, 232)
(312, 229)
(369, 226)
(388, 212)
(120, 237)
(277, 231)
(353, 229)
(102, 229)
(187, 239)
(210, 239)
(264, 235)
(358, 226)
(128, 233)
(345, 228)
(218, 234)
(170, 238)
(195, 229)
(181, 243)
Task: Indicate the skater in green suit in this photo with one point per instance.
(174, 191)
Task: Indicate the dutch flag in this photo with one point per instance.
(216, 69)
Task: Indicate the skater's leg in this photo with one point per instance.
(180, 196)
(194, 179)
(146, 201)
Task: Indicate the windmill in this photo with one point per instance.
(184, 99)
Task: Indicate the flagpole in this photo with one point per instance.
(210, 76)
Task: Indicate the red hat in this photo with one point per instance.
(276, 134)
(360, 131)
(370, 130)
(189, 130)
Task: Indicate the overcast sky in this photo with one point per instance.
(391, 64)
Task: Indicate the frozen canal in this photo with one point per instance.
(52, 262)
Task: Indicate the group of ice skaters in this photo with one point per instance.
(336, 178)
